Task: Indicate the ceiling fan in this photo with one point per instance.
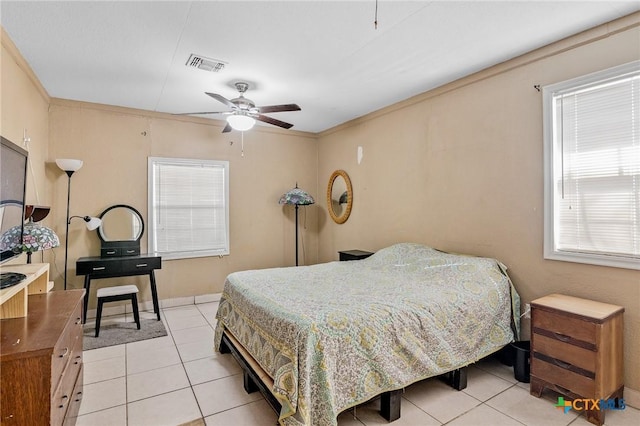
(244, 112)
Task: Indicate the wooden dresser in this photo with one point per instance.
(577, 349)
(41, 361)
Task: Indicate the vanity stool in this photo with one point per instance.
(113, 294)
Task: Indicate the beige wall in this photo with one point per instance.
(24, 107)
(460, 169)
(114, 144)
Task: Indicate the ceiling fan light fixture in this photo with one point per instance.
(241, 122)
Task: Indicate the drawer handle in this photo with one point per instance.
(78, 359)
(64, 400)
(111, 252)
(141, 265)
(562, 364)
(66, 351)
(131, 251)
(562, 337)
(78, 321)
(99, 268)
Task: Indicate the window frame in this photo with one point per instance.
(174, 255)
(550, 161)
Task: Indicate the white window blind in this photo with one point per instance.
(189, 207)
(593, 170)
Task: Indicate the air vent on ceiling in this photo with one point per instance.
(206, 64)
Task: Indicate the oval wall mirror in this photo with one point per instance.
(339, 196)
(121, 223)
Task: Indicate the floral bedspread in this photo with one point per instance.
(335, 335)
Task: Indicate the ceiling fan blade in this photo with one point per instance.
(278, 108)
(227, 128)
(273, 121)
(222, 99)
(203, 112)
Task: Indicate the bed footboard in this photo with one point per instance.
(253, 376)
(254, 380)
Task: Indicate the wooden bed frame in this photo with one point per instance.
(256, 379)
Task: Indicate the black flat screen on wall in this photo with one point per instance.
(13, 180)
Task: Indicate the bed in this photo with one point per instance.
(334, 335)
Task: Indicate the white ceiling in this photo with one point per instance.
(326, 56)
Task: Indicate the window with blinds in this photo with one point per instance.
(592, 168)
(188, 207)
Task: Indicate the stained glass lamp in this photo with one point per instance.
(35, 238)
(297, 197)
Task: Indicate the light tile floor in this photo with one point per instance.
(180, 378)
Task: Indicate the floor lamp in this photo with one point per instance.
(296, 197)
(69, 166)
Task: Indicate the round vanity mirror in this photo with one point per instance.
(339, 196)
(121, 223)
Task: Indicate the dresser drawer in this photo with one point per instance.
(76, 353)
(64, 394)
(98, 267)
(562, 377)
(110, 252)
(574, 355)
(141, 265)
(563, 327)
(130, 251)
(68, 347)
(76, 399)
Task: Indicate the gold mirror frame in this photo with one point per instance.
(332, 203)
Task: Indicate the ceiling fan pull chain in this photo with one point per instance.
(375, 22)
(242, 144)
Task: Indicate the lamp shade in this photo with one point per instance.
(69, 164)
(93, 223)
(34, 238)
(296, 196)
(241, 122)
(36, 213)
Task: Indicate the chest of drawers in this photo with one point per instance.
(577, 349)
(41, 361)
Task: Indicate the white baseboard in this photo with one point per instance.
(632, 397)
(177, 301)
(208, 298)
(125, 306)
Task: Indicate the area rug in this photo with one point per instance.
(120, 333)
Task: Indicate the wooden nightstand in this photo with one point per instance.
(576, 349)
(354, 254)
